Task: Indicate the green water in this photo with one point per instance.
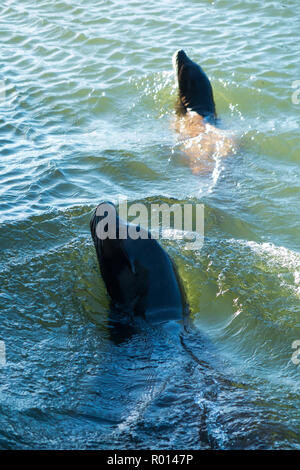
(86, 100)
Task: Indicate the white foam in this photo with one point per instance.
(277, 256)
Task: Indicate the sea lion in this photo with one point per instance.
(140, 277)
(196, 117)
(195, 90)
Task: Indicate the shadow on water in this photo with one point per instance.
(172, 389)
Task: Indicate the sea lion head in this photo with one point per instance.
(195, 90)
(105, 225)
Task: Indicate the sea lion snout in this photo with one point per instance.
(180, 55)
(103, 210)
(104, 226)
(178, 59)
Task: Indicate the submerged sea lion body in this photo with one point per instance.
(139, 275)
(196, 117)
